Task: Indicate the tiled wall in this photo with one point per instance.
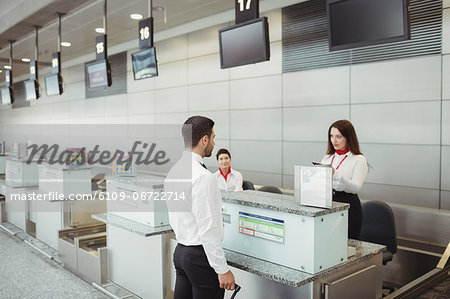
(272, 121)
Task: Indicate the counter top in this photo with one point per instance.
(132, 226)
(278, 202)
(296, 278)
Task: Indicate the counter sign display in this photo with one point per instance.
(261, 227)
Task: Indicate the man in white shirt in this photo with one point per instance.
(201, 268)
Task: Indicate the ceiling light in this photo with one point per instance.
(7, 67)
(136, 16)
(66, 44)
(26, 59)
(1, 71)
(100, 30)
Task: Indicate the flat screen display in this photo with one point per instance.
(6, 96)
(245, 43)
(144, 64)
(357, 23)
(53, 84)
(31, 90)
(98, 74)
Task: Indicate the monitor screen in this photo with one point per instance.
(144, 64)
(357, 23)
(53, 85)
(244, 43)
(6, 96)
(98, 74)
(31, 90)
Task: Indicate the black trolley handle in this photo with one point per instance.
(237, 288)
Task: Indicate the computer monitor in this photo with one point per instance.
(98, 74)
(7, 95)
(244, 43)
(357, 23)
(53, 84)
(144, 64)
(32, 90)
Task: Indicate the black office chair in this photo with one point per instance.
(378, 226)
(270, 189)
(247, 185)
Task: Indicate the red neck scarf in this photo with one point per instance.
(225, 175)
(343, 152)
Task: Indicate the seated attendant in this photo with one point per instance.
(228, 179)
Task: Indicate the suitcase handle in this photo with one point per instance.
(237, 288)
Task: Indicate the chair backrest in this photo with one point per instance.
(270, 189)
(378, 225)
(247, 185)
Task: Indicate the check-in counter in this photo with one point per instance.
(138, 256)
(92, 258)
(2, 163)
(18, 208)
(272, 238)
(21, 173)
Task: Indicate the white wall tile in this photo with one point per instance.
(141, 102)
(259, 92)
(206, 69)
(275, 29)
(171, 74)
(258, 156)
(116, 105)
(172, 49)
(209, 96)
(445, 200)
(221, 122)
(445, 30)
(271, 67)
(74, 74)
(317, 87)
(311, 123)
(427, 198)
(445, 168)
(170, 100)
(301, 153)
(260, 124)
(414, 122)
(446, 77)
(261, 178)
(94, 107)
(140, 85)
(446, 122)
(414, 79)
(171, 118)
(288, 182)
(75, 90)
(204, 42)
(403, 165)
(141, 119)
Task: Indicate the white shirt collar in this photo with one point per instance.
(194, 156)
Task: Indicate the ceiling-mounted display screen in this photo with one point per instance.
(98, 74)
(144, 64)
(7, 95)
(31, 90)
(357, 23)
(53, 84)
(245, 43)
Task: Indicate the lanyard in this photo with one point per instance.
(339, 163)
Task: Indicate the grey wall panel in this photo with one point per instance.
(397, 80)
(141, 102)
(446, 77)
(311, 123)
(257, 156)
(173, 99)
(403, 165)
(445, 200)
(221, 122)
(209, 96)
(257, 124)
(305, 37)
(259, 92)
(301, 153)
(409, 123)
(288, 182)
(445, 168)
(428, 198)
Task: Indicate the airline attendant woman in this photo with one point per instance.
(228, 179)
(349, 171)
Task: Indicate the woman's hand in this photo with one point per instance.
(333, 170)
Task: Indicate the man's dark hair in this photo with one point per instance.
(223, 151)
(194, 128)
